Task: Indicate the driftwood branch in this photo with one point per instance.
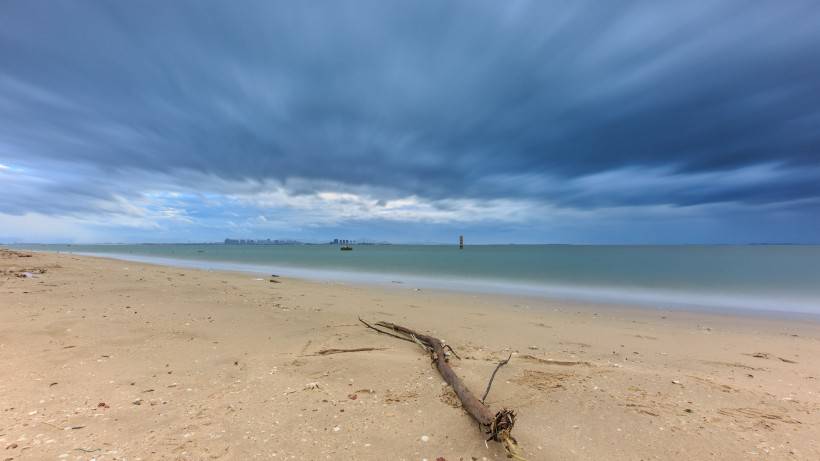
(496, 426)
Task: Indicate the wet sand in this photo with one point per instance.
(105, 359)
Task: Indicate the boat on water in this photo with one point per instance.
(346, 248)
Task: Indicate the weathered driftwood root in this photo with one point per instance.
(497, 426)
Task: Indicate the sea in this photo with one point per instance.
(778, 278)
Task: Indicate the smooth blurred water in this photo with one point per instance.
(771, 277)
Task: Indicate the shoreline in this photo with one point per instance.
(623, 297)
(135, 360)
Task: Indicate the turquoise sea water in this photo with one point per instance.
(772, 277)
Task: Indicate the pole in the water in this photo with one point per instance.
(460, 242)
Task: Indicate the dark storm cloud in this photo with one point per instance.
(437, 99)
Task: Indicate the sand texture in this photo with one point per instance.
(104, 359)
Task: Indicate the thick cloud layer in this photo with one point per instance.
(507, 109)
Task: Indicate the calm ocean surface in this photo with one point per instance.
(780, 278)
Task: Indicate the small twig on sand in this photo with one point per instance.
(492, 377)
(342, 351)
(567, 363)
(449, 348)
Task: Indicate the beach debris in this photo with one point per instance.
(137, 402)
(274, 281)
(766, 355)
(342, 351)
(311, 386)
(425, 438)
(675, 381)
(361, 391)
(496, 426)
(24, 272)
(9, 253)
(759, 414)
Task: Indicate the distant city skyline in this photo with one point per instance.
(410, 122)
(268, 241)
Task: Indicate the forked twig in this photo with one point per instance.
(385, 332)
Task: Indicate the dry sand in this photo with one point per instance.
(104, 359)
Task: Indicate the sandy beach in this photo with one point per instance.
(112, 360)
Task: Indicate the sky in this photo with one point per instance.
(509, 122)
